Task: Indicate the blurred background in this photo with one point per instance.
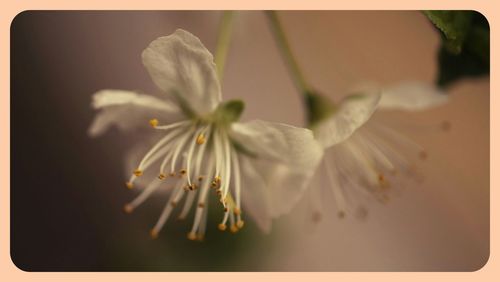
(67, 190)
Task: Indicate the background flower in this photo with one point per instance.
(366, 159)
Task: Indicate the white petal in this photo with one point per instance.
(412, 96)
(286, 185)
(180, 63)
(285, 157)
(255, 195)
(351, 113)
(128, 110)
(278, 142)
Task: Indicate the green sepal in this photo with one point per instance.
(229, 112)
(319, 107)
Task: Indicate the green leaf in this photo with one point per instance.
(465, 48)
(454, 25)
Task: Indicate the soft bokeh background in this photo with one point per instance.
(67, 191)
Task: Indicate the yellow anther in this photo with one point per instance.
(422, 155)
(153, 233)
(217, 179)
(200, 139)
(182, 172)
(137, 172)
(341, 214)
(222, 227)
(129, 185)
(316, 217)
(153, 122)
(162, 176)
(128, 208)
(446, 125)
(233, 228)
(226, 209)
(191, 236)
(381, 178)
(385, 199)
(236, 211)
(240, 224)
(383, 183)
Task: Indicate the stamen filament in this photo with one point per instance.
(190, 156)
(187, 205)
(169, 206)
(178, 149)
(337, 192)
(203, 224)
(227, 154)
(237, 179)
(160, 143)
(152, 159)
(144, 195)
(224, 219)
(401, 139)
(218, 153)
(171, 126)
(202, 196)
(199, 157)
(232, 223)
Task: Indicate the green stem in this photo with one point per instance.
(286, 52)
(223, 40)
(317, 107)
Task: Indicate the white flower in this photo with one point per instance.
(362, 156)
(257, 166)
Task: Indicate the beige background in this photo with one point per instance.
(453, 202)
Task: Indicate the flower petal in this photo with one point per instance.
(351, 113)
(127, 110)
(181, 65)
(285, 156)
(255, 195)
(412, 96)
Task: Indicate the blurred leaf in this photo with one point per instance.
(454, 25)
(465, 48)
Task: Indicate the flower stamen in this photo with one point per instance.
(222, 226)
(142, 197)
(153, 122)
(200, 139)
(187, 205)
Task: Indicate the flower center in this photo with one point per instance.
(196, 155)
